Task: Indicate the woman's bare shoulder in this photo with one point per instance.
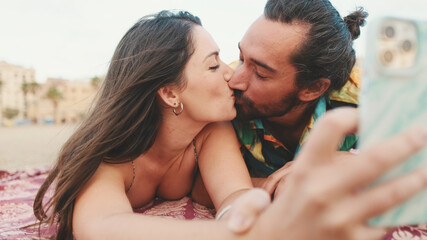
(121, 173)
(215, 132)
(221, 128)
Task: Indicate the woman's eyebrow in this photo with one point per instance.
(216, 53)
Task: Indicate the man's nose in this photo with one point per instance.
(239, 80)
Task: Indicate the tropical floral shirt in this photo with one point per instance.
(264, 154)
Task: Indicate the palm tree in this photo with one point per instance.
(54, 95)
(30, 87)
(95, 81)
(10, 113)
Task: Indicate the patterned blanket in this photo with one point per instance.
(18, 189)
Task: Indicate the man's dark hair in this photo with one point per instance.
(328, 49)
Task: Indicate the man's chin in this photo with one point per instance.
(244, 114)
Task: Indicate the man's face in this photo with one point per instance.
(264, 80)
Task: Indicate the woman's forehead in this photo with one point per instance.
(203, 43)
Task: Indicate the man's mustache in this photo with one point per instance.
(238, 94)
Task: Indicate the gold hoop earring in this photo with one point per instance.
(182, 109)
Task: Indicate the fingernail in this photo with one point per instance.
(237, 223)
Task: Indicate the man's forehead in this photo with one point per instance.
(272, 37)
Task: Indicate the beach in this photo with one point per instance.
(31, 146)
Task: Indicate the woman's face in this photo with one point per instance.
(207, 97)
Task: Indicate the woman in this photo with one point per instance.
(148, 133)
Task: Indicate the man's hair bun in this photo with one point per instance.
(354, 21)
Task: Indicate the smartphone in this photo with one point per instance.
(394, 98)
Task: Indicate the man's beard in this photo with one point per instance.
(248, 110)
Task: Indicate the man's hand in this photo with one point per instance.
(270, 183)
(327, 199)
(338, 156)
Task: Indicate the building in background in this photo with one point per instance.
(12, 78)
(62, 101)
(23, 100)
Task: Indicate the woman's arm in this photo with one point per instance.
(221, 164)
(102, 211)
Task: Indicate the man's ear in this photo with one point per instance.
(315, 90)
(169, 95)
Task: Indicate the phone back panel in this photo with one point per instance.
(393, 99)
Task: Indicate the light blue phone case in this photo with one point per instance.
(392, 100)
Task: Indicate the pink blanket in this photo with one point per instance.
(18, 189)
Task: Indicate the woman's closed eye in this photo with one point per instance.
(214, 67)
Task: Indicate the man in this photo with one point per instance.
(295, 64)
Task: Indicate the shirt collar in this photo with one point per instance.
(318, 112)
(320, 109)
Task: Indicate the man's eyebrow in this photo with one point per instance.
(211, 54)
(259, 63)
(263, 65)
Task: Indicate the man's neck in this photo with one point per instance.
(289, 127)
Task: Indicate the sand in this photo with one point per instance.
(31, 146)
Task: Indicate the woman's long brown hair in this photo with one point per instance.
(124, 120)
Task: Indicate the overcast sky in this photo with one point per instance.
(75, 39)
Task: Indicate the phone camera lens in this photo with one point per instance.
(389, 32)
(407, 45)
(388, 57)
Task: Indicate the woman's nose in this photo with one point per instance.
(228, 73)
